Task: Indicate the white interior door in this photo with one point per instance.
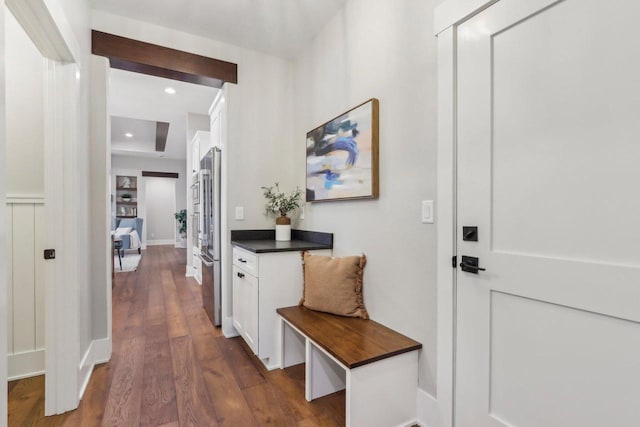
(160, 199)
(548, 150)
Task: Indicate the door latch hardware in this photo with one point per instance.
(49, 254)
(470, 234)
(470, 264)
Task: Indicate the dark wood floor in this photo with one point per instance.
(171, 367)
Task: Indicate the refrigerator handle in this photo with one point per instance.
(208, 262)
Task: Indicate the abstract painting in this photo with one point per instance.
(342, 156)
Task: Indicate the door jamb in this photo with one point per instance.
(447, 17)
(3, 234)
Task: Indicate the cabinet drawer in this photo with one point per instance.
(248, 261)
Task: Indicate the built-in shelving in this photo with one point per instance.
(126, 196)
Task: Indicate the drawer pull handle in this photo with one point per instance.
(242, 260)
(240, 275)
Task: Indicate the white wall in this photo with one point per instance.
(385, 50)
(196, 122)
(134, 165)
(25, 112)
(161, 203)
(100, 183)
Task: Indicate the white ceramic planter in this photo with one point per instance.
(283, 232)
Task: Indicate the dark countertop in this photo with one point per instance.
(263, 241)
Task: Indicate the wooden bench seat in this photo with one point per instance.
(377, 365)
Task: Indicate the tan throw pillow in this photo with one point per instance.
(334, 285)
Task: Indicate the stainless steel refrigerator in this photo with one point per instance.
(210, 234)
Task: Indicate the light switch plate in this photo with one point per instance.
(240, 213)
(302, 212)
(427, 211)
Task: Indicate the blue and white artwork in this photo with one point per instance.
(342, 156)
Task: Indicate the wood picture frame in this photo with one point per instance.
(342, 156)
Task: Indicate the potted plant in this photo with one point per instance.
(280, 203)
(181, 218)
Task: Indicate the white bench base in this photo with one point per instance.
(378, 394)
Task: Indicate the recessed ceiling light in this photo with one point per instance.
(128, 135)
(170, 90)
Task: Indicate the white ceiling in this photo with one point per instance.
(143, 139)
(142, 97)
(278, 27)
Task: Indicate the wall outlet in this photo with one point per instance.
(240, 213)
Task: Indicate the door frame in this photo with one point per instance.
(47, 26)
(114, 51)
(448, 15)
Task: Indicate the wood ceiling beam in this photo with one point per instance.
(162, 131)
(141, 57)
(152, 174)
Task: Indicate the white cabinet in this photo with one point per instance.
(216, 114)
(195, 156)
(200, 145)
(261, 284)
(245, 306)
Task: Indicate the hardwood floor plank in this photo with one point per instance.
(199, 322)
(227, 398)
(23, 399)
(156, 312)
(175, 317)
(194, 406)
(240, 363)
(123, 403)
(264, 406)
(159, 404)
(206, 346)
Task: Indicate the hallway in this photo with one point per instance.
(171, 367)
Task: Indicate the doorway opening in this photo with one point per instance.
(186, 139)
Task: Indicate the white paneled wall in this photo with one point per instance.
(25, 246)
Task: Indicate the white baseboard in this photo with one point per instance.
(160, 242)
(227, 328)
(99, 351)
(25, 365)
(428, 412)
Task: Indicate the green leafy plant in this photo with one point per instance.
(278, 202)
(181, 217)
